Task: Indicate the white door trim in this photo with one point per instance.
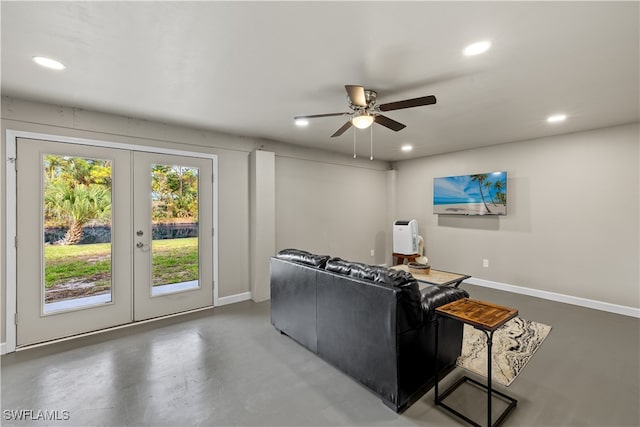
(10, 213)
(10, 257)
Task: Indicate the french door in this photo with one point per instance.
(172, 271)
(109, 236)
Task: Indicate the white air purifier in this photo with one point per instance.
(405, 237)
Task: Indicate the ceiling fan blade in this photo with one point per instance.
(315, 116)
(389, 123)
(408, 103)
(356, 95)
(342, 129)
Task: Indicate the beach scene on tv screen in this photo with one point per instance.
(478, 194)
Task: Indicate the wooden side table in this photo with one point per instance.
(400, 258)
(486, 317)
(435, 277)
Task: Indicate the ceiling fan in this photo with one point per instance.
(364, 110)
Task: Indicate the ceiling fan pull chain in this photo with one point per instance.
(354, 142)
(371, 158)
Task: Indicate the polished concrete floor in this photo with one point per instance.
(229, 367)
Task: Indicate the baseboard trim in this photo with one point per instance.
(553, 296)
(232, 299)
(3, 348)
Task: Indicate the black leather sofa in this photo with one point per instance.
(372, 323)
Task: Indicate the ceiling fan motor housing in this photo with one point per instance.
(370, 97)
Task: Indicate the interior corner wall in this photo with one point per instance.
(572, 222)
(392, 208)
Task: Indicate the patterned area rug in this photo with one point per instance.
(513, 345)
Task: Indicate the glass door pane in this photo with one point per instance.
(77, 232)
(174, 219)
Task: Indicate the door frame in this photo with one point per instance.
(11, 140)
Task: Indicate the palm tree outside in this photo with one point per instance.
(77, 205)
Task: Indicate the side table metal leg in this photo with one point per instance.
(489, 390)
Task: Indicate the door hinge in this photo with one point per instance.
(212, 178)
(15, 318)
(15, 241)
(213, 231)
(213, 283)
(14, 160)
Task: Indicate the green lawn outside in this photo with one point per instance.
(174, 261)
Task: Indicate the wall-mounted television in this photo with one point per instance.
(477, 194)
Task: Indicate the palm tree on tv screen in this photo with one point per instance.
(481, 178)
(498, 186)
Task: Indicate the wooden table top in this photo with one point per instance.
(480, 314)
(435, 277)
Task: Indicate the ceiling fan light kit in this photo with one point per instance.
(362, 120)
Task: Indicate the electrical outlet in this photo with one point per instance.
(373, 252)
(485, 263)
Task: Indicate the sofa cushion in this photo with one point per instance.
(303, 257)
(433, 296)
(338, 265)
(396, 278)
(373, 273)
(382, 275)
(364, 271)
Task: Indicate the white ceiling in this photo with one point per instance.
(248, 68)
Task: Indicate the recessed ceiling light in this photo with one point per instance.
(48, 63)
(477, 48)
(301, 122)
(557, 118)
(407, 147)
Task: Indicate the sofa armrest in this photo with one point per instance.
(434, 296)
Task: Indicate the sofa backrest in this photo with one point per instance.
(357, 329)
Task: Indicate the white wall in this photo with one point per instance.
(331, 209)
(573, 214)
(321, 170)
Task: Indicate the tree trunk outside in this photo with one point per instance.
(74, 234)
